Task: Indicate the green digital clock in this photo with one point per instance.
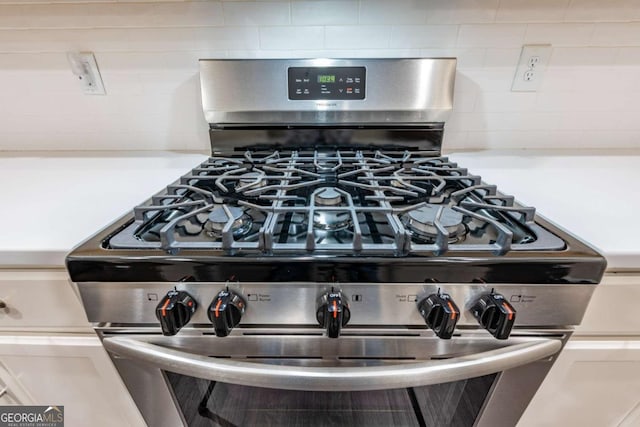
(326, 78)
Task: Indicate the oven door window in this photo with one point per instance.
(209, 403)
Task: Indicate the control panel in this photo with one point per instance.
(339, 83)
(333, 311)
(338, 307)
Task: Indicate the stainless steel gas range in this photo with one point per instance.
(327, 266)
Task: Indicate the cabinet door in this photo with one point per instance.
(593, 383)
(72, 371)
(11, 390)
(43, 300)
(613, 307)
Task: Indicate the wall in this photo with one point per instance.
(148, 52)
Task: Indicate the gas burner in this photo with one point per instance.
(220, 216)
(332, 221)
(421, 222)
(358, 201)
(328, 196)
(251, 181)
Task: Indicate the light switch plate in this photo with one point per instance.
(85, 67)
(531, 67)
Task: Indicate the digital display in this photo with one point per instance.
(316, 83)
(326, 78)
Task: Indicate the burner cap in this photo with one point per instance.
(328, 196)
(332, 221)
(218, 219)
(421, 221)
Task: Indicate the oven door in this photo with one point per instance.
(263, 379)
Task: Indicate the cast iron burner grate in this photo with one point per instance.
(347, 202)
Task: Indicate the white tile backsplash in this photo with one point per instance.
(629, 56)
(433, 36)
(307, 37)
(494, 35)
(392, 12)
(356, 37)
(506, 102)
(202, 13)
(531, 11)
(603, 11)
(461, 11)
(582, 57)
(567, 34)
(324, 12)
(147, 52)
(619, 34)
(256, 13)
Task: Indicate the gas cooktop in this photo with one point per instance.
(334, 214)
(341, 202)
(331, 170)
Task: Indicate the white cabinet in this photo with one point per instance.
(596, 379)
(49, 354)
(42, 300)
(613, 310)
(593, 383)
(67, 370)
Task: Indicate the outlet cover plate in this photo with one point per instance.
(531, 67)
(85, 68)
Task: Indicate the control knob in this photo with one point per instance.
(225, 312)
(495, 314)
(175, 311)
(440, 313)
(333, 313)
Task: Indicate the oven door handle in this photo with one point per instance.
(402, 375)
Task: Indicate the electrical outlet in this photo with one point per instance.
(85, 67)
(531, 67)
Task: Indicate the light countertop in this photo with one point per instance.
(53, 201)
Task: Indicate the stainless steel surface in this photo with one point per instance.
(148, 388)
(374, 304)
(386, 145)
(398, 91)
(332, 378)
(154, 397)
(511, 395)
(359, 347)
